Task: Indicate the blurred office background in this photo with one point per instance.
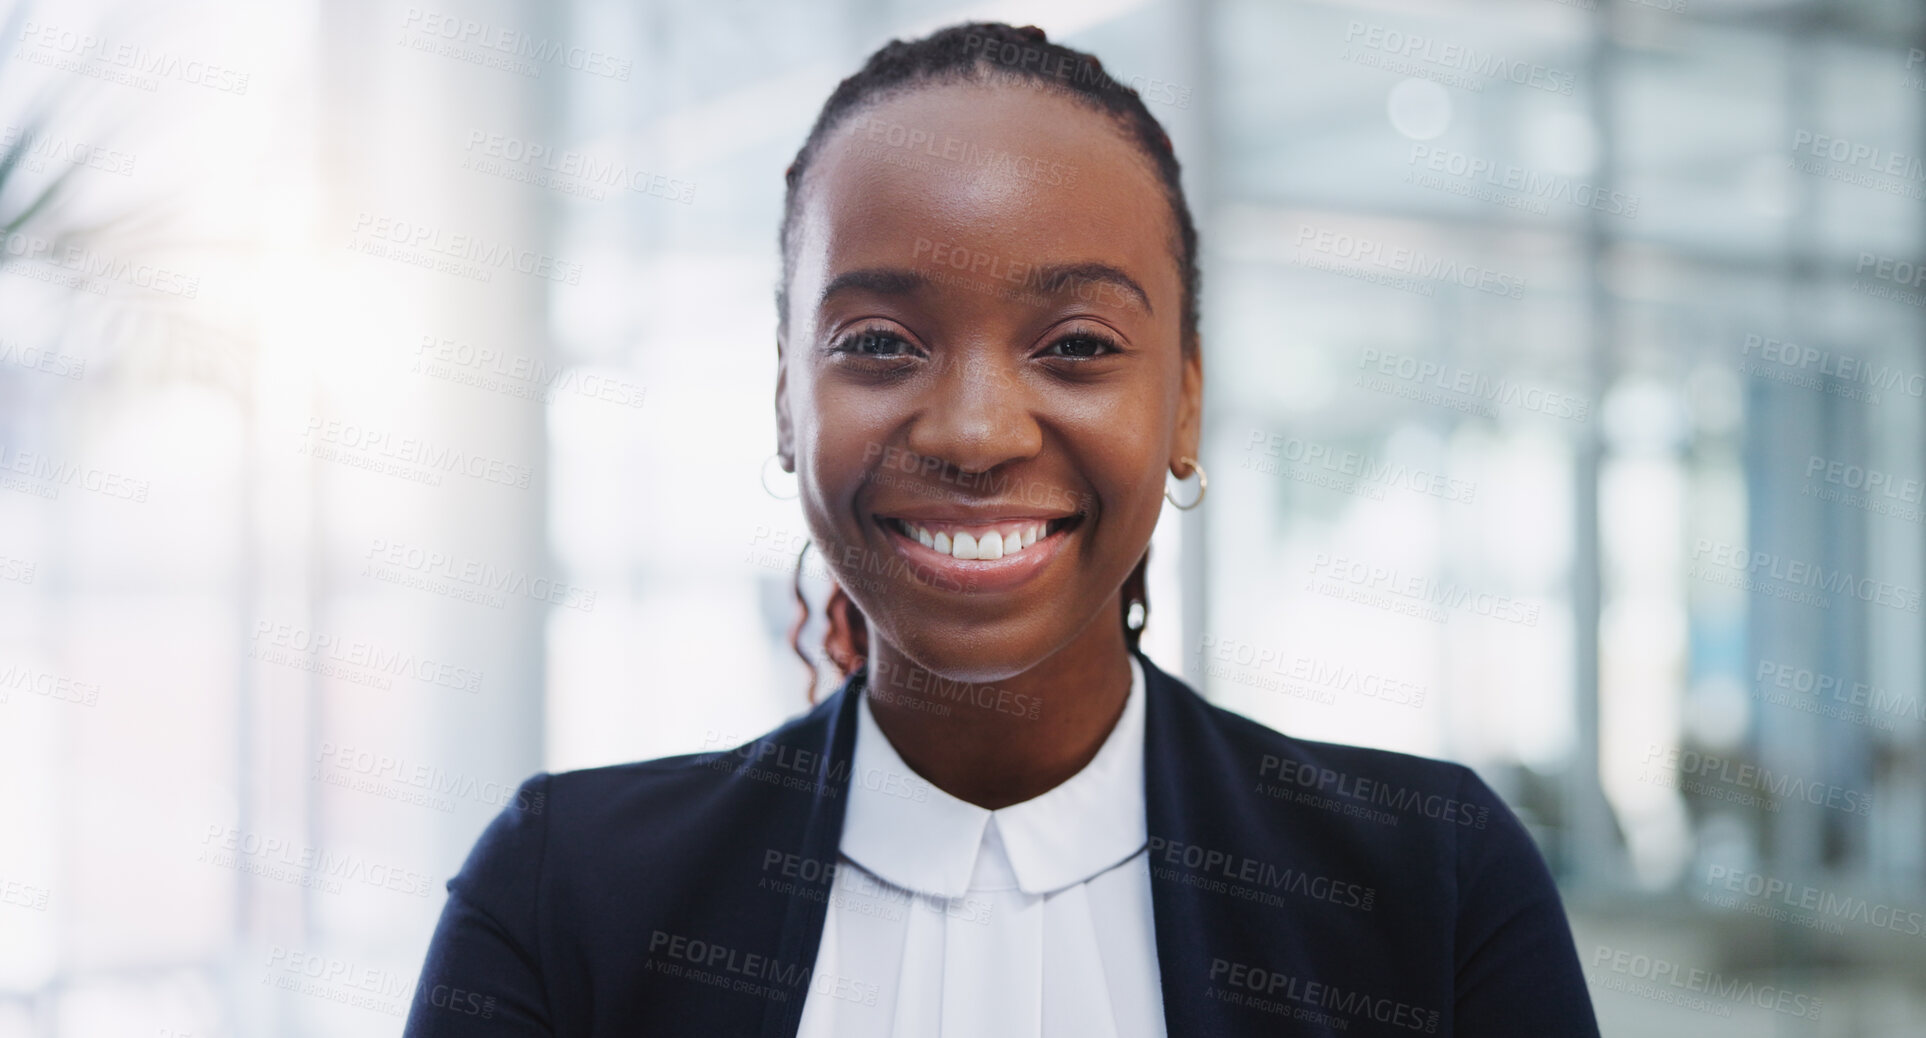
(1566, 410)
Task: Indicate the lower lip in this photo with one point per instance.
(976, 576)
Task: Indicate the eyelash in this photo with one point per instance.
(851, 343)
(1108, 344)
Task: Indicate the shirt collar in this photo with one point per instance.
(905, 830)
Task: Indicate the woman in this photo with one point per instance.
(1006, 821)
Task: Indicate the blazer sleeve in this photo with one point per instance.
(1518, 972)
(483, 974)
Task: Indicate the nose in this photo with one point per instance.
(978, 414)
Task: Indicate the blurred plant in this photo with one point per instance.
(126, 337)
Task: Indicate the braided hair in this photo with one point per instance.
(987, 53)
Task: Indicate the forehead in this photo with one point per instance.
(1013, 170)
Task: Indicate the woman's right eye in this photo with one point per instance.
(873, 342)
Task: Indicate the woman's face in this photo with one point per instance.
(983, 357)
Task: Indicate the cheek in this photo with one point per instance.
(841, 437)
(845, 434)
(1124, 444)
(1124, 465)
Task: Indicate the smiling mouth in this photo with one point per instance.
(981, 541)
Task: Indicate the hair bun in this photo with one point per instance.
(1031, 32)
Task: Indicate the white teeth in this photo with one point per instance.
(988, 545)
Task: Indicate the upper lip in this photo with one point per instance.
(978, 514)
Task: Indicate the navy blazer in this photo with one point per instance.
(1298, 887)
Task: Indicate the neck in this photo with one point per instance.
(1009, 741)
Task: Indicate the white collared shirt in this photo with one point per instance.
(947, 920)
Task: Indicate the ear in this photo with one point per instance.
(785, 429)
(1188, 434)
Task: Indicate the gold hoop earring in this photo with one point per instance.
(765, 481)
(1203, 486)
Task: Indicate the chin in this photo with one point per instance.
(986, 653)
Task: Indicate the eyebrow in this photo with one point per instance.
(1050, 280)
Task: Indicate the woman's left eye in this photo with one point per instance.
(1080, 346)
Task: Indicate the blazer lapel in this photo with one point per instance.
(1198, 808)
(1197, 802)
(816, 835)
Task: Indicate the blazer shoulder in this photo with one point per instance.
(1349, 793)
(684, 794)
(1311, 761)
